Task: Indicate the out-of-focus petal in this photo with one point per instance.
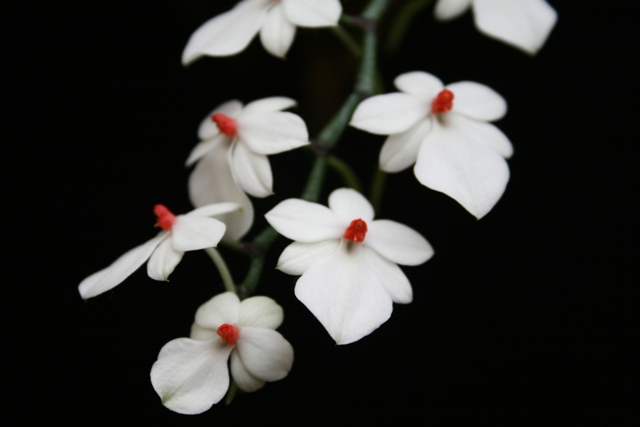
(208, 128)
(277, 32)
(305, 221)
(203, 334)
(214, 209)
(525, 24)
(390, 113)
(242, 377)
(190, 376)
(228, 33)
(223, 308)
(260, 312)
(110, 277)
(348, 204)
(400, 150)
(313, 13)
(390, 275)
(163, 261)
(191, 233)
(481, 131)
(252, 171)
(398, 243)
(271, 133)
(268, 105)
(419, 83)
(477, 101)
(450, 9)
(298, 256)
(265, 353)
(202, 148)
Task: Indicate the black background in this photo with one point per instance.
(527, 317)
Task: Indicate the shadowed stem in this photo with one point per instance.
(227, 279)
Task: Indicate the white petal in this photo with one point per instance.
(449, 9)
(277, 32)
(298, 256)
(477, 101)
(348, 205)
(190, 376)
(400, 150)
(345, 295)
(212, 182)
(213, 209)
(203, 334)
(203, 147)
(260, 312)
(313, 13)
(228, 33)
(390, 113)
(465, 168)
(305, 221)
(391, 277)
(110, 277)
(163, 261)
(271, 133)
(268, 105)
(242, 377)
(191, 233)
(208, 128)
(419, 83)
(265, 353)
(223, 308)
(481, 131)
(252, 171)
(397, 242)
(525, 24)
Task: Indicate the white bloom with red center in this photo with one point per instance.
(347, 261)
(232, 156)
(276, 20)
(191, 374)
(189, 232)
(525, 24)
(444, 131)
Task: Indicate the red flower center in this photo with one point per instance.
(443, 102)
(226, 124)
(165, 217)
(228, 333)
(356, 231)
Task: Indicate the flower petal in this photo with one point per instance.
(203, 334)
(298, 256)
(110, 277)
(277, 32)
(203, 147)
(390, 275)
(400, 150)
(252, 171)
(268, 105)
(223, 308)
(265, 353)
(190, 376)
(305, 221)
(191, 233)
(419, 83)
(477, 101)
(313, 13)
(163, 261)
(242, 377)
(271, 133)
(390, 113)
(525, 24)
(464, 167)
(228, 33)
(208, 128)
(481, 131)
(260, 312)
(345, 295)
(213, 209)
(212, 182)
(398, 243)
(348, 205)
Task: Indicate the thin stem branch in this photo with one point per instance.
(347, 40)
(346, 173)
(229, 284)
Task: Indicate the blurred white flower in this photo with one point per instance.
(192, 374)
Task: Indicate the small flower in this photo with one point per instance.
(348, 261)
(524, 24)
(444, 131)
(189, 232)
(232, 156)
(276, 20)
(191, 374)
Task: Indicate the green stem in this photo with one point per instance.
(377, 188)
(346, 173)
(229, 284)
(347, 40)
(233, 389)
(401, 24)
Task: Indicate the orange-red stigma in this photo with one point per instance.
(443, 102)
(226, 124)
(356, 231)
(165, 217)
(228, 333)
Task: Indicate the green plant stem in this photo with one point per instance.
(377, 188)
(401, 23)
(346, 173)
(347, 40)
(229, 284)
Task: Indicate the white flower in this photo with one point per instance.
(276, 20)
(525, 24)
(348, 261)
(189, 232)
(191, 374)
(444, 131)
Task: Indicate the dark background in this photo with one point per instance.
(527, 317)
